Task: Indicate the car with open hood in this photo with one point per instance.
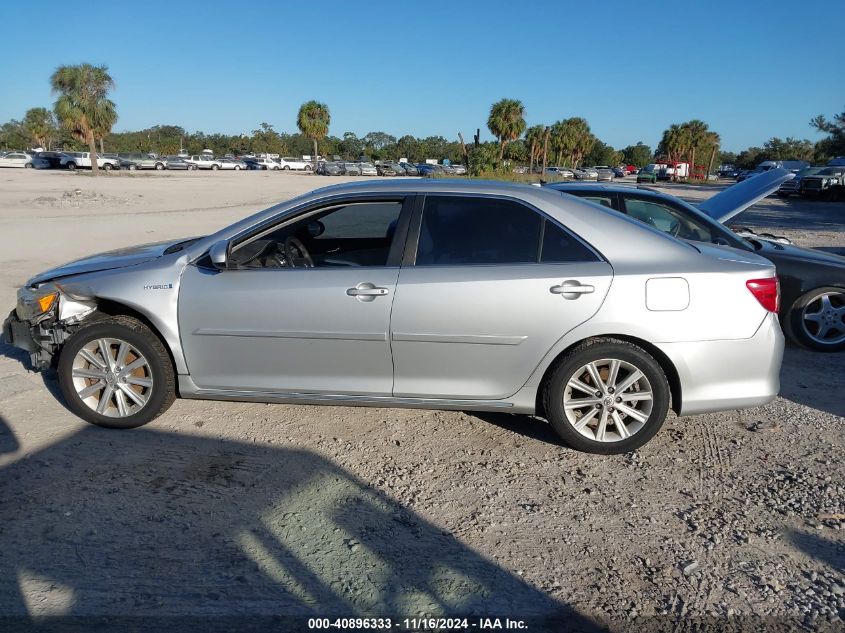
(438, 294)
(812, 282)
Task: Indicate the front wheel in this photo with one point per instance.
(308, 168)
(159, 166)
(116, 373)
(107, 166)
(817, 319)
(214, 168)
(71, 166)
(237, 167)
(27, 165)
(607, 396)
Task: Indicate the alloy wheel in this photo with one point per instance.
(112, 377)
(823, 318)
(608, 400)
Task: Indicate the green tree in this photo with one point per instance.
(602, 154)
(715, 141)
(13, 135)
(534, 142)
(40, 124)
(506, 122)
(834, 144)
(639, 155)
(83, 107)
(789, 149)
(313, 122)
(697, 133)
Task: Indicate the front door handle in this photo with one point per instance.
(366, 291)
(572, 289)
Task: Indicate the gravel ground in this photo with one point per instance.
(722, 522)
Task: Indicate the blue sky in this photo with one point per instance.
(426, 68)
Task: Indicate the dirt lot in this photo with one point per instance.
(221, 509)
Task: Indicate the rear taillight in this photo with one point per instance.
(766, 291)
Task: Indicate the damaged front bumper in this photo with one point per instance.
(42, 335)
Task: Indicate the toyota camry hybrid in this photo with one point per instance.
(406, 293)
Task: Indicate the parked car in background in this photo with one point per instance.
(427, 170)
(235, 164)
(252, 163)
(812, 282)
(352, 169)
(23, 160)
(745, 174)
(618, 172)
(294, 163)
(632, 169)
(389, 168)
(54, 159)
(141, 161)
(459, 169)
(647, 174)
(823, 183)
(793, 186)
(204, 161)
(330, 168)
(604, 173)
(585, 173)
(410, 169)
(368, 169)
(178, 162)
(607, 322)
(76, 160)
(558, 172)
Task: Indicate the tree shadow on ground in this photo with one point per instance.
(813, 379)
(819, 548)
(215, 533)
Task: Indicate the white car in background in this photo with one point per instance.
(232, 163)
(20, 159)
(74, 160)
(294, 163)
(266, 163)
(204, 162)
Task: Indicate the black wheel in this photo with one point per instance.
(71, 166)
(116, 373)
(286, 167)
(307, 167)
(817, 319)
(214, 168)
(193, 167)
(107, 166)
(27, 165)
(606, 396)
(237, 167)
(159, 166)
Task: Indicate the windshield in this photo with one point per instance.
(828, 172)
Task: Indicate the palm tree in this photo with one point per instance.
(715, 141)
(313, 121)
(40, 125)
(506, 122)
(83, 107)
(697, 132)
(534, 140)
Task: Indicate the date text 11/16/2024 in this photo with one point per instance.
(417, 624)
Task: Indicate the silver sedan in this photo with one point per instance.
(426, 294)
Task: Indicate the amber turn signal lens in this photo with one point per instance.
(46, 302)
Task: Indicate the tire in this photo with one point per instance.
(214, 168)
(159, 166)
(237, 167)
(286, 167)
(108, 167)
(308, 168)
(71, 166)
(630, 358)
(153, 382)
(133, 167)
(27, 166)
(827, 304)
(193, 168)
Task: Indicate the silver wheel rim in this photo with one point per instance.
(823, 318)
(608, 400)
(112, 377)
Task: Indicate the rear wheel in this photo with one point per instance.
(817, 319)
(307, 167)
(107, 166)
(133, 167)
(286, 168)
(214, 168)
(71, 166)
(116, 373)
(27, 165)
(607, 396)
(159, 166)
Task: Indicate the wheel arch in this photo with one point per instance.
(662, 359)
(109, 308)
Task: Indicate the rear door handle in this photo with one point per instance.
(572, 289)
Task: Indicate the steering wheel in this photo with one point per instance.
(291, 247)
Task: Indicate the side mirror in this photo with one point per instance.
(219, 254)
